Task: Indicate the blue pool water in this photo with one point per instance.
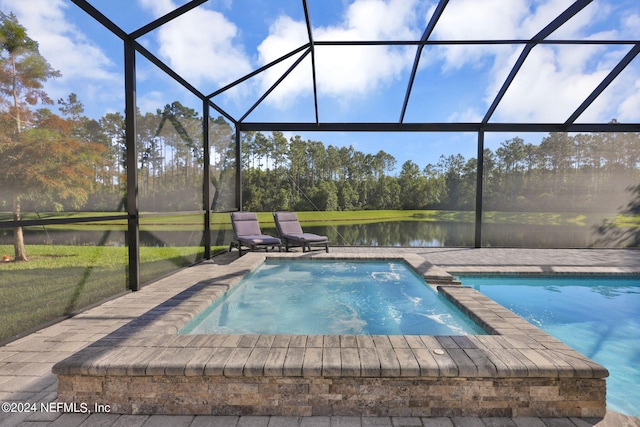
(333, 297)
(599, 317)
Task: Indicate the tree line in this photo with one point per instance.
(586, 172)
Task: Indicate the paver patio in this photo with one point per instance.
(25, 364)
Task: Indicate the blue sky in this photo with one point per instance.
(222, 40)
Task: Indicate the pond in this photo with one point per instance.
(393, 233)
(459, 234)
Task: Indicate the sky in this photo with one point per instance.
(223, 40)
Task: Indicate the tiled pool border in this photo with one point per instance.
(519, 370)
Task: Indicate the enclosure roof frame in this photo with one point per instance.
(542, 37)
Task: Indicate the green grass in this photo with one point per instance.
(59, 280)
(490, 217)
(62, 256)
(357, 217)
(632, 221)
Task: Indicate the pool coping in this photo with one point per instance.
(151, 346)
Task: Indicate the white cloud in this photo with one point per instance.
(470, 115)
(553, 80)
(158, 7)
(200, 45)
(344, 72)
(631, 25)
(489, 19)
(150, 101)
(620, 101)
(629, 109)
(374, 20)
(285, 35)
(85, 68)
(495, 20)
(546, 11)
(474, 20)
(549, 87)
(357, 71)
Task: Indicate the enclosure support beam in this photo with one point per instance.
(425, 36)
(437, 127)
(307, 18)
(133, 222)
(206, 180)
(238, 169)
(479, 182)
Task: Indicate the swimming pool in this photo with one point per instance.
(333, 297)
(598, 316)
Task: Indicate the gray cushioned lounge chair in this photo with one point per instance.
(248, 234)
(292, 235)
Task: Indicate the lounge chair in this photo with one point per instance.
(292, 235)
(248, 234)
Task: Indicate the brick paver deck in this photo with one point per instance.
(25, 364)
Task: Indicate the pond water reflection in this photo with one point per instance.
(392, 233)
(458, 234)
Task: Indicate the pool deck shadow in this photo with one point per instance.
(112, 329)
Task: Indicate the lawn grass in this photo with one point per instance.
(59, 280)
(632, 221)
(489, 217)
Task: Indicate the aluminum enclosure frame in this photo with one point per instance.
(131, 47)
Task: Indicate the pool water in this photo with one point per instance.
(333, 297)
(597, 316)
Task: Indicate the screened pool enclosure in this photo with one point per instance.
(506, 124)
